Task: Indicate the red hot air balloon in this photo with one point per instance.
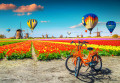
(86, 31)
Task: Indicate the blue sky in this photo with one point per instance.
(59, 15)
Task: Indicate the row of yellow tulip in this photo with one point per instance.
(106, 47)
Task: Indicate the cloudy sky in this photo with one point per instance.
(56, 17)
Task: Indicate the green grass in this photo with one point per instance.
(13, 39)
(19, 56)
(9, 42)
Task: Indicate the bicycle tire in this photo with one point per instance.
(77, 67)
(66, 64)
(100, 63)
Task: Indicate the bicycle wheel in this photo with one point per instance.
(70, 63)
(77, 67)
(98, 63)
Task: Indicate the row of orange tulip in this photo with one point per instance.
(6, 47)
(24, 47)
(48, 47)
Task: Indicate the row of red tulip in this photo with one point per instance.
(98, 42)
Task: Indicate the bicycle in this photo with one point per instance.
(93, 59)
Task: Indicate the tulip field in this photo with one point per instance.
(47, 49)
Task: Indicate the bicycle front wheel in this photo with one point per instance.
(78, 66)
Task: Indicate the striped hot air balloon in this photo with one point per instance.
(89, 21)
(32, 23)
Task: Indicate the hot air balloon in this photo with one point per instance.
(86, 31)
(89, 21)
(32, 24)
(111, 26)
(68, 33)
(8, 30)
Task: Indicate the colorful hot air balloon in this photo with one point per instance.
(8, 30)
(86, 31)
(68, 33)
(111, 26)
(90, 21)
(32, 23)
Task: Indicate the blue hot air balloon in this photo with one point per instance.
(111, 26)
(8, 30)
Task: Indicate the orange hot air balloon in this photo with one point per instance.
(86, 31)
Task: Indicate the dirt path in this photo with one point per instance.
(33, 54)
(31, 71)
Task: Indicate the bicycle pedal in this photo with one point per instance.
(83, 65)
(92, 70)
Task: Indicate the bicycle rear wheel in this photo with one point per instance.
(70, 63)
(98, 65)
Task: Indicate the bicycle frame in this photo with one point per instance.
(83, 61)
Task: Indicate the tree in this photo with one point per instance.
(2, 36)
(30, 38)
(115, 36)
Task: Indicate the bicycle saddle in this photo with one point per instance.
(89, 48)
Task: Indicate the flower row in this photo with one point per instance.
(106, 47)
(4, 48)
(52, 50)
(104, 50)
(20, 51)
(97, 42)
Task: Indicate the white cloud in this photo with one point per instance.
(20, 14)
(29, 13)
(29, 8)
(79, 25)
(75, 26)
(7, 6)
(44, 21)
(118, 22)
(101, 22)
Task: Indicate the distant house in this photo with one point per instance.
(61, 36)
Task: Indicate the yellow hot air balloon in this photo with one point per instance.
(32, 24)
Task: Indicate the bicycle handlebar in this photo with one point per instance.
(80, 42)
(84, 42)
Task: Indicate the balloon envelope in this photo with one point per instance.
(68, 33)
(89, 21)
(32, 23)
(111, 26)
(86, 31)
(8, 30)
